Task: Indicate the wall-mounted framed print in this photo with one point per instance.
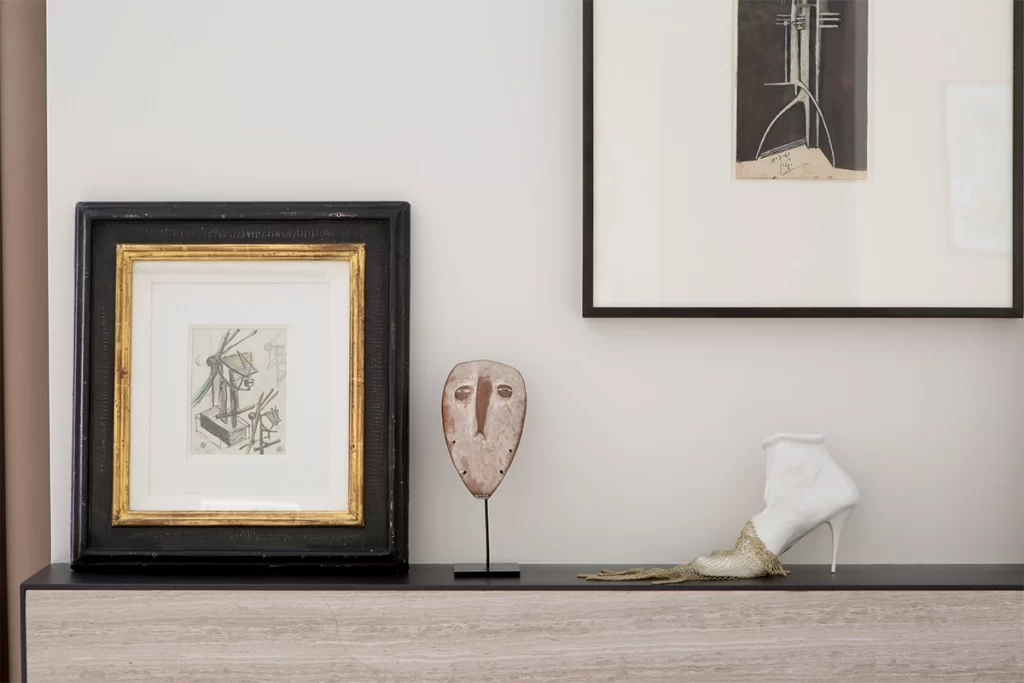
(241, 386)
(816, 158)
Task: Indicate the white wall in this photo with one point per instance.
(642, 440)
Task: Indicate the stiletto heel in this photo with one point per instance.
(836, 525)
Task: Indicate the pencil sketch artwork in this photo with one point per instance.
(276, 356)
(801, 89)
(238, 390)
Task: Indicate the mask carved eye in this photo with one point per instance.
(463, 393)
(505, 391)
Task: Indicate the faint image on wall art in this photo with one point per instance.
(802, 89)
(979, 147)
(237, 399)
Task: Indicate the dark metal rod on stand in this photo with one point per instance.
(488, 570)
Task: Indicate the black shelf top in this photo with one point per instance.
(560, 577)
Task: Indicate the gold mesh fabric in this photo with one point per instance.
(749, 559)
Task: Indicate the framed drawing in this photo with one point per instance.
(780, 158)
(241, 382)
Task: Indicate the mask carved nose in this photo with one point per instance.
(483, 398)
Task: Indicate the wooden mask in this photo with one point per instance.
(483, 410)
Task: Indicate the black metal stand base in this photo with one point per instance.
(487, 570)
(479, 570)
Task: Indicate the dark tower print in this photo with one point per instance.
(802, 89)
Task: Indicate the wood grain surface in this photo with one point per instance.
(706, 636)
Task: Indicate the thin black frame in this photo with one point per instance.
(381, 545)
(592, 311)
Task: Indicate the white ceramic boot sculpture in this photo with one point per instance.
(804, 488)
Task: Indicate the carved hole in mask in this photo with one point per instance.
(463, 393)
(505, 391)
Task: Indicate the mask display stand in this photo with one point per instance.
(487, 570)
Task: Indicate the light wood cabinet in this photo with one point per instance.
(432, 633)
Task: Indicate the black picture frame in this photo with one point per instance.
(381, 544)
(590, 310)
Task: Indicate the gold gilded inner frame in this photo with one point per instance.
(127, 256)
